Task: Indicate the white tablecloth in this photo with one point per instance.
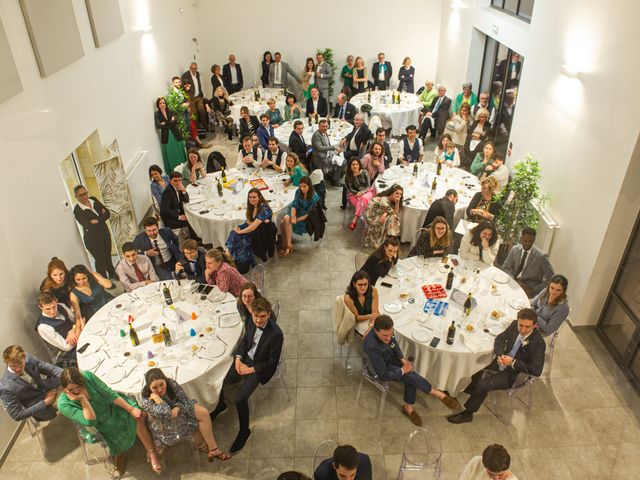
(418, 189)
(395, 116)
(339, 129)
(226, 212)
(122, 366)
(246, 98)
(450, 367)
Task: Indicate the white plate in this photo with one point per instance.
(389, 175)
(500, 277)
(228, 321)
(216, 295)
(94, 328)
(212, 350)
(495, 330)
(421, 335)
(90, 362)
(226, 308)
(416, 202)
(517, 303)
(114, 375)
(392, 307)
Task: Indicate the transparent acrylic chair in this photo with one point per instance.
(369, 375)
(280, 370)
(520, 388)
(323, 451)
(422, 453)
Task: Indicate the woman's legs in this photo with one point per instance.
(147, 440)
(361, 206)
(205, 427)
(286, 231)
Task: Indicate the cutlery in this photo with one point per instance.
(223, 342)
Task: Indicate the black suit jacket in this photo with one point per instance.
(200, 266)
(298, 146)
(166, 124)
(267, 355)
(186, 78)
(93, 232)
(171, 208)
(215, 83)
(387, 74)
(244, 126)
(442, 115)
(143, 243)
(442, 207)
(226, 76)
(529, 358)
(349, 112)
(362, 137)
(323, 110)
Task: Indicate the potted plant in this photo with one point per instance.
(328, 57)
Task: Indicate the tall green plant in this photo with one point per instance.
(517, 211)
(328, 57)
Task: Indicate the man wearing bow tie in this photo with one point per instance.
(191, 264)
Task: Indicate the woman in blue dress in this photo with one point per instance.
(239, 240)
(88, 294)
(295, 221)
(159, 183)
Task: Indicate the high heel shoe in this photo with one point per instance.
(155, 467)
(220, 455)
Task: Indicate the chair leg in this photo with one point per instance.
(284, 384)
(359, 389)
(383, 399)
(346, 361)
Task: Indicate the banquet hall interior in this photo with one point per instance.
(81, 80)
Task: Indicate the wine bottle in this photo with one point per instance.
(219, 186)
(167, 294)
(133, 336)
(415, 169)
(451, 333)
(329, 122)
(166, 335)
(224, 176)
(439, 168)
(434, 185)
(450, 277)
(310, 120)
(467, 305)
(369, 96)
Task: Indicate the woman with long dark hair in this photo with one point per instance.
(434, 242)
(159, 183)
(58, 282)
(88, 294)
(171, 140)
(361, 298)
(308, 77)
(266, 63)
(551, 305)
(193, 169)
(382, 216)
(359, 190)
(480, 243)
(382, 259)
(303, 201)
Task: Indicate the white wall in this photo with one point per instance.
(582, 131)
(111, 89)
(358, 28)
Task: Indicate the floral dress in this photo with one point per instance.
(239, 245)
(165, 429)
(376, 231)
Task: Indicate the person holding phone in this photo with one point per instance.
(191, 263)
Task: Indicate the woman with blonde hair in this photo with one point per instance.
(434, 242)
(484, 205)
(222, 110)
(275, 118)
(295, 169)
(360, 77)
(405, 76)
(58, 282)
(221, 270)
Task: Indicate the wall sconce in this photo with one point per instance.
(570, 71)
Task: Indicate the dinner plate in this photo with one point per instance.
(114, 375)
(495, 330)
(393, 307)
(94, 328)
(229, 215)
(90, 362)
(421, 335)
(231, 320)
(226, 308)
(500, 277)
(216, 295)
(212, 350)
(416, 202)
(389, 175)
(517, 303)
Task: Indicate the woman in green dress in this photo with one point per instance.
(87, 401)
(171, 141)
(347, 73)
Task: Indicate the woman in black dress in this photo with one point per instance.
(382, 259)
(266, 63)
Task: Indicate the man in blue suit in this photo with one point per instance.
(160, 245)
(265, 132)
(23, 390)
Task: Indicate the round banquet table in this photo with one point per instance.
(418, 191)
(339, 129)
(198, 363)
(395, 116)
(246, 98)
(449, 367)
(212, 217)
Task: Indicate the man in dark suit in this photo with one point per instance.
(509, 71)
(346, 463)
(256, 361)
(484, 102)
(196, 95)
(355, 141)
(23, 390)
(381, 73)
(172, 202)
(298, 145)
(528, 265)
(160, 245)
(519, 352)
(443, 207)
(265, 132)
(232, 75)
(191, 262)
(317, 105)
(380, 137)
(249, 124)
(343, 109)
(216, 79)
(437, 114)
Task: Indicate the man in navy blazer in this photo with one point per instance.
(23, 390)
(191, 262)
(232, 75)
(160, 245)
(265, 132)
(256, 361)
(298, 145)
(343, 109)
(519, 353)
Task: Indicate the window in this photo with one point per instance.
(520, 8)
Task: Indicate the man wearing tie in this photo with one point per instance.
(298, 145)
(134, 270)
(519, 353)
(160, 245)
(528, 265)
(323, 153)
(437, 114)
(381, 73)
(191, 264)
(278, 71)
(343, 109)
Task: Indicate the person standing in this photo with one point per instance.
(92, 216)
(232, 75)
(323, 75)
(405, 76)
(171, 139)
(266, 63)
(197, 99)
(347, 73)
(381, 73)
(279, 71)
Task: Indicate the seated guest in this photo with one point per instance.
(361, 298)
(373, 161)
(292, 110)
(477, 134)
(297, 143)
(353, 144)
(466, 96)
(241, 243)
(347, 73)
(135, 271)
(222, 110)
(483, 205)
(387, 362)
(528, 265)
(346, 463)
(221, 271)
(442, 207)
(480, 243)
(172, 203)
(89, 402)
(359, 190)
(265, 131)
(88, 291)
(435, 242)
(343, 109)
(294, 169)
(58, 326)
(437, 115)
(492, 465)
(308, 77)
(459, 125)
(193, 169)
(58, 282)
(382, 259)
(160, 245)
(256, 361)
(443, 152)
(498, 170)
(482, 159)
(173, 416)
(23, 391)
(380, 138)
(275, 118)
(551, 305)
(412, 150)
(274, 158)
(293, 475)
(158, 184)
(323, 152)
(427, 95)
(382, 216)
(249, 124)
(316, 106)
(248, 293)
(250, 155)
(519, 349)
(191, 263)
(483, 102)
(294, 222)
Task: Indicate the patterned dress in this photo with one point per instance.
(165, 429)
(239, 245)
(376, 231)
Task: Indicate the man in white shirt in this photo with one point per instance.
(275, 158)
(135, 271)
(196, 95)
(160, 245)
(279, 71)
(232, 75)
(492, 465)
(412, 147)
(250, 155)
(57, 325)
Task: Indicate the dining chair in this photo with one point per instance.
(522, 385)
(369, 375)
(89, 436)
(256, 275)
(280, 369)
(36, 430)
(359, 259)
(323, 451)
(422, 453)
(553, 340)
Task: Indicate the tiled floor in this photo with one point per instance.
(583, 425)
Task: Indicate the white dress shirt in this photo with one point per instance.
(163, 247)
(256, 340)
(475, 470)
(277, 75)
(52, 337)
(196, 89)
(127, 274)
(234, 74)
